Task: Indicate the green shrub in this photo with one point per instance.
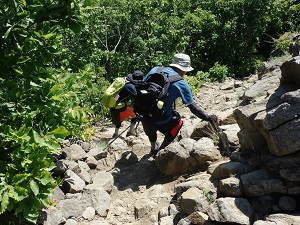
(218, 72)
(39, 105)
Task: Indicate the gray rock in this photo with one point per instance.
(74, 152)
(261, 88)
(72, 183)
(89, 213)
(86, 146)
(280, 145)
(58, 194)
(144, 207)
(184, 221)
(54, 216)
(71, 222)
(129, 157)
(102, 180)
(175, 160)
(97, 153)
(167, 220)
(284, 219)
(73, 207)
(202, 182)
(225, 169)
(198, 218)
(193, 200)
(98, 199)
(290, 174)
(263, 204)
(204, 151)
(290, 71)
(261, 182)
(231, 210)
(287, 204)
(231, 187)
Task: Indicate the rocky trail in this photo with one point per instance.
(238, 174)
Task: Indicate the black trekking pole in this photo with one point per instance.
(115, 138)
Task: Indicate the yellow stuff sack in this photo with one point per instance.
(110, 96)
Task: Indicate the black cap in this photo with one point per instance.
(137, 75)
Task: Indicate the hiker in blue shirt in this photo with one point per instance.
(171, 122)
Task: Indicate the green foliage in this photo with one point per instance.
(284, 41)
(39, 106)
(122, 36)
(25, 177)
(218, 72)
(209, 195)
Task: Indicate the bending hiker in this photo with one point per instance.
(171, 122)
(122, 111)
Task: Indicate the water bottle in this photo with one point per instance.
(160, 104)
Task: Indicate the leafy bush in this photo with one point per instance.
(38, 105)
(218, 72)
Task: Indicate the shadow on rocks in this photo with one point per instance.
(143, 172)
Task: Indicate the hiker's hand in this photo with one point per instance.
(216, 119)
(219, 120)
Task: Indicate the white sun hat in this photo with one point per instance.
(182, 62)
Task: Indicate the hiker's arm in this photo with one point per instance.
(127, 92)
(197, 111)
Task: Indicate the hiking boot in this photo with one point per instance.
(154, 151)
(115, 135)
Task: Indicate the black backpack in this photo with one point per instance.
(152, 93)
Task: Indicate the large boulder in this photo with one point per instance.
(271, 122)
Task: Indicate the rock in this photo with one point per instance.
(203, 181)
(284, 219)
(74, 152)
(92, 162)
(86, 146)
(167, 220)
(175, 160)
(54, 216)
(193, 200)
(231, 187)
(262, 182)
(89, 213)
(204, 151)
(231, 210)
(97, 153)
(290, 71)
(71, 222)
(198, 218)
(73, 207)
(144, 207)
(58, 194)
(102, 180)
(60, 168)
(287, 204)
(290, 174)
(129, 157)
(225, 169)
(98, 199)
(72, 183)
(184, 221)
(261, 88)
(263, 204)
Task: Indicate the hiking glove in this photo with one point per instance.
(201, 114)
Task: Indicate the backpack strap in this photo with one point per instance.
(160, 70)
(175, 78)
